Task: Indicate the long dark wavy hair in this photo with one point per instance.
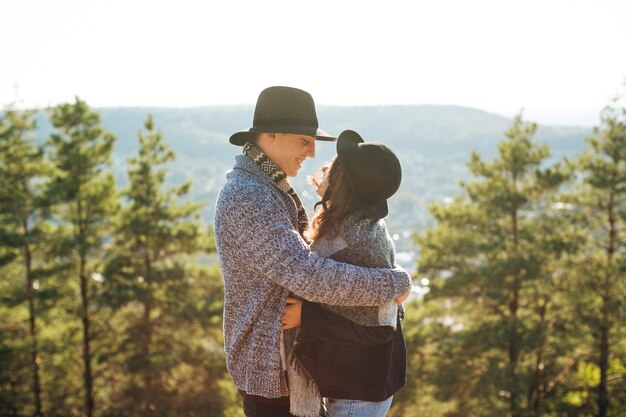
(337, 202)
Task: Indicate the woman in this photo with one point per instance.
(353, 356)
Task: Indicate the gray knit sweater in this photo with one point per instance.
(359, 241)
(263, 259)
(364, 242)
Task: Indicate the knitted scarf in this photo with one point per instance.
(280, 178)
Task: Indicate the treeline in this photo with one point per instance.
(110, 300)
(526, 275)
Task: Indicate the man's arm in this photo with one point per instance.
(263, 237)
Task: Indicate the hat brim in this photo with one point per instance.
(245, 136)
(347, 140)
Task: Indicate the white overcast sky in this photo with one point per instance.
(560, 60)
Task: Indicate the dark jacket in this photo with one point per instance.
(348, 360)
(346, 350)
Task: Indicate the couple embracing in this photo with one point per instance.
(311, 309)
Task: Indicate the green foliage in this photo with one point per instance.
(85, 199)
(80, 149)
(493, 259)
(24, 242)
(108, 343)
(599, 203)
(525, 275)
(163, 298)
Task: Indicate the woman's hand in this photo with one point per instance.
(293, 313)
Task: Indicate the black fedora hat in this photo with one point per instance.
(283, 110)
(373, 171)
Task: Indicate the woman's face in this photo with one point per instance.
(319, 180)
(322, 186)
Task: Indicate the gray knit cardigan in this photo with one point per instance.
(264, 258)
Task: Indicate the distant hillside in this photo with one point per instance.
(432, 142)
(429, 130)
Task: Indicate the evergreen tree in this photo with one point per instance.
(156, 286)
(22, 208)
(492, 260)
(85, 197)
(600, 285)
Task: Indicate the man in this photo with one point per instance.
(259, 221)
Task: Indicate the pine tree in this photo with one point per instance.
(22, 208)
(85, 198)
(600, 286)
(491, 259)
(151, 280)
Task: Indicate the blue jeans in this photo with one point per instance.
(356, 408)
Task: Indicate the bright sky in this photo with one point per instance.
(560, 60)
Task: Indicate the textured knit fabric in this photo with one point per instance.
(280, 178)
(364, 242)
(361, 241)
(263, 259)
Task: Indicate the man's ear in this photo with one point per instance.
(265, 138)
(265, 141)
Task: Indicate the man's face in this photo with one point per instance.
(289, 151)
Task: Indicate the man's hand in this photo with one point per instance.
(293, 313)
(400, 300)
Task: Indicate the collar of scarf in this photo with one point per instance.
(280, 178)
